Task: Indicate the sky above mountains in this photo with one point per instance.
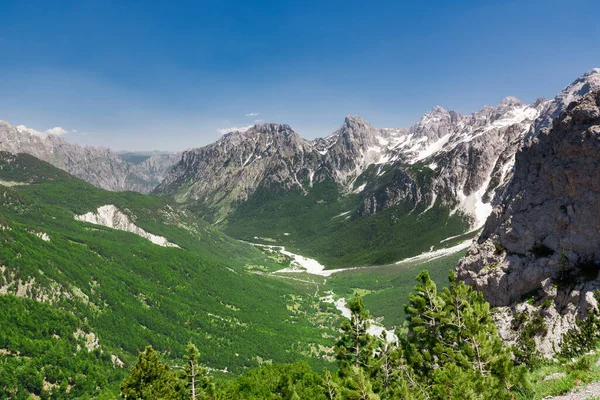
(172, 75)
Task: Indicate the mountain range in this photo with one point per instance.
(359, 196)
(448, 164)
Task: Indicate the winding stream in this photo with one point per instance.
(311, 266)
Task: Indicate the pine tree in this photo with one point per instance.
(391, 374)
(454, 342)
(383, 366)
(358, 385)
(425, 310)
(332, 388)
(355, 347)
(192, 371)
(149, 379)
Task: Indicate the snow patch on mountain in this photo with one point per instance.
(111, 217)
(435, 254)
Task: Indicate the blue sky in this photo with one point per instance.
(169, 75)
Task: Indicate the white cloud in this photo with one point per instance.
(251, 114)
(57, 130)
(223, 131)
(258, 121)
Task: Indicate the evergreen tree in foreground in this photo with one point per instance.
(193, 372)
(149, 379)
(355, 347)
(453, 343)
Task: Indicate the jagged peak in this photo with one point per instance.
(584, 84)
(268, 128)
(539, 101)
(271, 127)
(591, 72)
(437, 110)
(435, 114)
(354, 127)
(356, 121)
(355, 118)
(511, 101)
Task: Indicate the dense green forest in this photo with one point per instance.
(127, 292)
(451, 350)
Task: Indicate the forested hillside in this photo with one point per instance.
(103, 294)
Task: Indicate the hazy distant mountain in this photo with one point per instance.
(100, 166)
(138, 157)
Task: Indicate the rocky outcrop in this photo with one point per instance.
(588, 82)
(111, 217)
(542, 240)
(99, 166)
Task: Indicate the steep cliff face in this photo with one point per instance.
(543, 237)
(99, 166)
(586, 83)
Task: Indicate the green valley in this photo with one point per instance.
(325, 224)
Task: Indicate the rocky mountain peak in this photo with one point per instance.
(539, 101)
(259, 138)
(273, 129)
(355, 120)
(586, 83)
(436, 110)
(354, 134)
(435, 123)
(594, 72)
(355, 126)
(511, 101)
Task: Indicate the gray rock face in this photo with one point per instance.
(99, 166)
(546, 224)
(228, 171)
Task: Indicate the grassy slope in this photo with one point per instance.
(132, 293)
(385, 289)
